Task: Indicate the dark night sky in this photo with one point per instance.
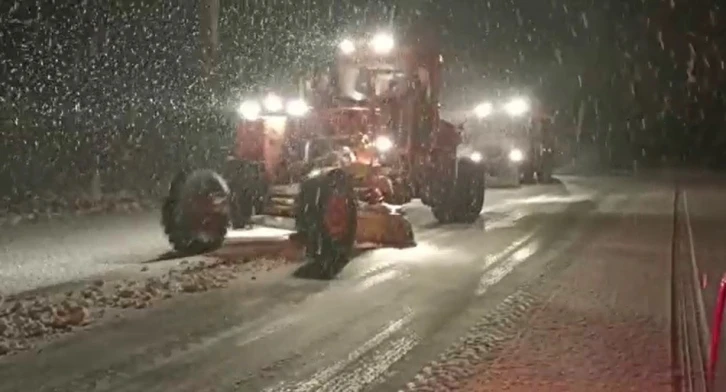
(140, 52)
(127, 70)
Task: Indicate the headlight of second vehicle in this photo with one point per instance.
(516, 155)
(517, 107)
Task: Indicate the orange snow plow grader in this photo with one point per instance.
(362, 139)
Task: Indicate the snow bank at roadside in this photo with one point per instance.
(54, 206)
(27, 322)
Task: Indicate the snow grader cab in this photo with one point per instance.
(340, 159)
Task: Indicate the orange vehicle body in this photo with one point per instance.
(362, 139)
(409, 117)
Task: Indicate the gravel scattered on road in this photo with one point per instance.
(27, 322)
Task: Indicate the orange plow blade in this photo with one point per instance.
(381, 225)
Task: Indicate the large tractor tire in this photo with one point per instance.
(326, 217)
(461, 195)
(527, 174)
(544, 176)
(402, 192)
(248, 191)
(195, 214)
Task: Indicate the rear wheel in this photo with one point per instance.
(544, 177)
(527, 174)
(402, 190)
(326, 216)
(461, 194)
(196, 212)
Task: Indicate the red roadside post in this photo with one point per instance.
(716, 333)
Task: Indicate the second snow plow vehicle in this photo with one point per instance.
(516, 141)
(367, 139)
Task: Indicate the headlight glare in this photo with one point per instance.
(382, 43)
(517, 107)
(516, 155)
(273, 103)
(383, 144)
(483, 109)
(346, 46)
(249, 110)
(297, 108)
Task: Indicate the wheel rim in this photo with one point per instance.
(336, 217)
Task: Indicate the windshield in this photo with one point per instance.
(359, 82)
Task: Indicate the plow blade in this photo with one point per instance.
(383, 226)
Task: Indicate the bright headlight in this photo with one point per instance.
(516, 155)
(476, 157)
(346, 46)
(249, 110)
(517, 107)
(297, 107)
(483, 109)
(383, 143)
(273, 103)
(382, 43)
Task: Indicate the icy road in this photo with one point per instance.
(560, 287)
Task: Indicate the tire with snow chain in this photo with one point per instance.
(195, 213)
(470, 188)
(248, 191)
(326, 216)
(460, 196)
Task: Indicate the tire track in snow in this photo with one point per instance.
(372, 359)
(323, 377)
(486, 338)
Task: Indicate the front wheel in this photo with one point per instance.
(461, 195)
(196, 212)
(326, 216)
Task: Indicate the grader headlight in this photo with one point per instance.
(347, 46)
(382, 43)
(383, 144)
(273, 103)
(516, 155)
(297, 108)
(483, 110)
(517, 107)
(250, 110)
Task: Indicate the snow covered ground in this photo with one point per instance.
(555, 288)
(558, 286)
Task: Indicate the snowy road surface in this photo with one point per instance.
(558, 288)
(34, 255)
